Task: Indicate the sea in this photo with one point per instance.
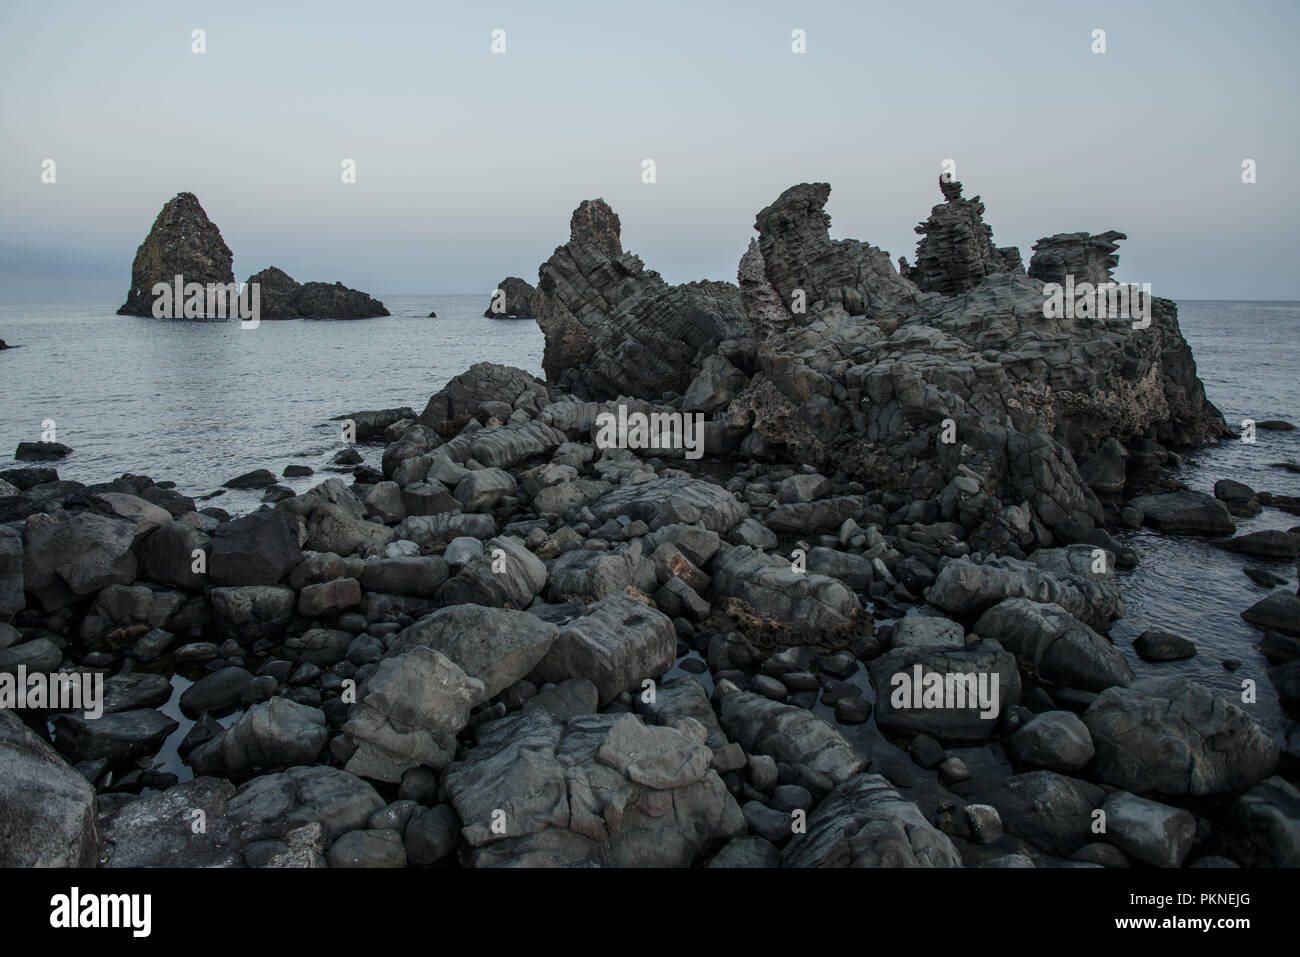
(201, 402)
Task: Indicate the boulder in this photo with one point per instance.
(1185, 513)
(963, 703)
(864, 822)
(117, 738)
(458, 401)
(249, 612)
(1060, 648)
(789, 734)
(79, 554)
(408, 714)
(1054, 741)
(618, 644)
(1280, 611)
(267, 737)
(258, 549)
(670, 501)
(1050, 810)
(537, 792)
(494, 645)
(47, 810)
(775, 591)
(1147, 831)
(966, 587)
(1171, 736)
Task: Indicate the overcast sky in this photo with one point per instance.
(470, 163)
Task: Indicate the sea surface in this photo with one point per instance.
(199, 403)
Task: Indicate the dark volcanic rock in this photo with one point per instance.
(277, 293)
(614, 327)
(458, 401)
(1175, 737)
(798, 253)
(258, 549)
(183, 241)
(513, 300)
(283, 297)
(957, 250)
(322, 300)
(40, 451)
(1086, 257)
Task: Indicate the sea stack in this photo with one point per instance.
(182, 242)
(513, 299)
(956, 250)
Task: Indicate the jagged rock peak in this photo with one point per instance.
(1086, 257)
(516, 301)
(957, 251)
(800, 257)
(594, 222)
(613, 327)
(182, 241)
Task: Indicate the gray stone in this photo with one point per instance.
(616, 645)
(1171, 736)
(268, 736)
(789, 734)
(494, 645)
(1059, 647)
(408, 714)
(47, 810)
(1053, 740)
(368, 849)
(864, 822)
(1153, 833)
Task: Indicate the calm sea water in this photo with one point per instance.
(199, 403)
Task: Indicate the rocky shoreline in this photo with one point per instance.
(514, 645)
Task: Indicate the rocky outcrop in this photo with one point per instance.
(614, 327)
(461, 399)
(871, 396)
(277, 293)
(283, 297)
(1085, 257)
(322, 300)
(513, 299)
(182, 242)
(957, 251)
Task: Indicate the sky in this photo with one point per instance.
(469, 163)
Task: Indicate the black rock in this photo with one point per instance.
(41, 451)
